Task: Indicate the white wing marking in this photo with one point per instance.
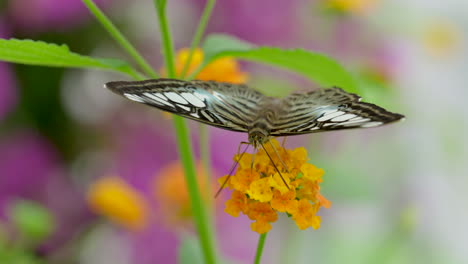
(133, 97)
(193, 100)
(343, 118)
(330, 116)
(176, 98)
(158, 99)
(372, 124)
(186, 108)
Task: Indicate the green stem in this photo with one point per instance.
(205, 154)
(119, 37)
(200, 215)
(198, 34)
(183, 140)
(168, 47)
(261, 243)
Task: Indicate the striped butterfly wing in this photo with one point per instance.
(223, 105)
(328, 109)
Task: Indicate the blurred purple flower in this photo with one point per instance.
(46, 15)
(272, 22)
(27, 162)
(142, 150)
(30, 169)
(7, 82)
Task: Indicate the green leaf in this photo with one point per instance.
(216, 44)
(32, 219)
(39, 53)
(319, 68)
(19, 256)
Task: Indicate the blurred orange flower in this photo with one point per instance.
(170, 190)
(115, 199)
(224, 69)
(260, 192)
(351, 6)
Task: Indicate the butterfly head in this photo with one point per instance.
(256, 138)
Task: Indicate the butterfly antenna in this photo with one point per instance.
(279, 157)
(233, 167)
(274, 165)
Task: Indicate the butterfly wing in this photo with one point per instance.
(328, 109)
(223, 105)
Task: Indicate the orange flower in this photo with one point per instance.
(263, 214)
(225, 69)
(305, 215)
(170, 190)
(244, 179)
(237, 204)
(121, 203)
(352, 6)
(285, 202)
(261, 192)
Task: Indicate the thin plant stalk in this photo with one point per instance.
(198, 34)
(260, 246)
(182, 133)
(200, 215)
(120, 38)
(205, 155)
(168, 47)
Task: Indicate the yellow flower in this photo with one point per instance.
(244, 178)
(121, 203)
(237, 204)
(285, 202)
(352, 6)
(305, 215)
(224, 69)
(277, 183)
(260, 191)
(442, 38)
(263, 214)
(170, 191)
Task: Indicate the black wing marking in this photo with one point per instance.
(223, 105)
(328, 109)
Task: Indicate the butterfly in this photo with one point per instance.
(240, 108)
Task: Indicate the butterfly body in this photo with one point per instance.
(243, 109)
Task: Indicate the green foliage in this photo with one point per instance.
(18, 256)
(317, 67)
(32, 220)
(44, 54)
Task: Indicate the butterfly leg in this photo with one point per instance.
(274, 165)
(234, 165)
(283, 142)
(278, 155)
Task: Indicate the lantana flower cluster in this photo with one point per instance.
(260, 192)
